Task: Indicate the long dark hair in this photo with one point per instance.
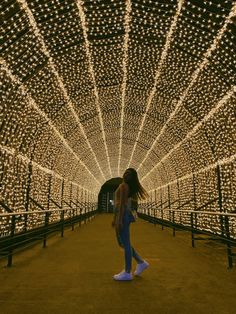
(136, 190)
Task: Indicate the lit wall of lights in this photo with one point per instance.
(90, 88)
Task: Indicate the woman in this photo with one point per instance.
(128, 192)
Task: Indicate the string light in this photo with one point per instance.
(195, 75)
(50, 61)
(158, 73)
(127, 22)
(92, 87)
(90, 63)
(41, 113)
(221, 103)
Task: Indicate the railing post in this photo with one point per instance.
(30, 171)
(168, 190)
(77, 200)
(220, 199)
(224, 221)
(229, 250)
(173, 220)
(10, 254)
(149, 211)
(180, 214)
(89, 207)
(80, 214)
(62, 212)
(86, 207)
(46, 219)
(169, 206)
(192, 231)
(82, 206)
(195, 208)
(155, 197)
(72, 208)
(12, 230)
(162, 227)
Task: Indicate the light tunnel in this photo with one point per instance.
(90, 88)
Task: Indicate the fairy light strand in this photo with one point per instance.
(118, 68)
(35, 27)
(221, 162)
(127, 22)
(79, 4)
(33, 104)
(158, 73)
(213, 111)
(26, 160)
(205, 61)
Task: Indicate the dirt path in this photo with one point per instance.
(74, 275)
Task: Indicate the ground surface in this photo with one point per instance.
(74, 275)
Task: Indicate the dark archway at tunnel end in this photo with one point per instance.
(106, 195)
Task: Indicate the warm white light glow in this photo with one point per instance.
(88, 54)
(90, 88)
(221, 103)
(25, 7)
(33, 104)
(158, 73)
(194, 77)
(124, 68)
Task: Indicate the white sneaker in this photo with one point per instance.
(123, 276)
(140, 268)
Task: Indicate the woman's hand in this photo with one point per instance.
(119, 226)
(117, 223)
(113, 223)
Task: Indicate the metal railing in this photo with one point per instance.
(225, 236)
(16, 241)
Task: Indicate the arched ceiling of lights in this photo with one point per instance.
(93, 87)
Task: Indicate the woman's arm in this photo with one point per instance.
(124, 191)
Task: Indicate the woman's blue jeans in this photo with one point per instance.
(123, 238)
